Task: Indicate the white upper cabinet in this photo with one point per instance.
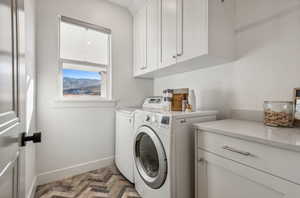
(146, 38)
(140, 41)
(152, 34)
(205, 31)
(167, 29)
(192, 29)
(193, 34)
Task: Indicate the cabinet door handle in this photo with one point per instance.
(228, 148)
(180, 15)
(182, 121)
(143, 68)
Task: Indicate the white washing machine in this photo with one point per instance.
(164, 152)
(125, 136)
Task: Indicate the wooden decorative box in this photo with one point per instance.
(179, 95)
(297, 106)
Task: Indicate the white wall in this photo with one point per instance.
(75, 135)
(267, 66)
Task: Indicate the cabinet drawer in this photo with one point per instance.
(275, 161)
(215, 175)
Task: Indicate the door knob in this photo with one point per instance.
(35, 138)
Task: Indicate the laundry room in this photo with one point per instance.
(149, 98)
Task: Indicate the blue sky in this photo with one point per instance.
(72, 73)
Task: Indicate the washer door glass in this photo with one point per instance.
(148, 155)
(150, 158)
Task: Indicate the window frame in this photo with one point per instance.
(61, 61)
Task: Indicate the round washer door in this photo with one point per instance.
(150, 157)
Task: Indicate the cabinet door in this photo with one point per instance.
(140, 41)
(218, 177)
(192, 29)
(152, 34)
(124, 145)
(168, 28)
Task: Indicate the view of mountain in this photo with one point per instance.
(75, 86)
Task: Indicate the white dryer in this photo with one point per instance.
(164, 152)
(123, 142)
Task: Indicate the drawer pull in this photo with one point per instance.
(236, 151)
(183, 121)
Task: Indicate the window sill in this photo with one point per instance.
(84, 103)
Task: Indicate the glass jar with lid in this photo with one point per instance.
(279, 113)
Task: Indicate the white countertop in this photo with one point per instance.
(180, 114)
(128, 110)
(174, 114)
(287, 138)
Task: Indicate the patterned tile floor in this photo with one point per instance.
(104, 182)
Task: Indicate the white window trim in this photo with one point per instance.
(65, 99)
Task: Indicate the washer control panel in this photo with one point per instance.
(158, 119)
(150, 118)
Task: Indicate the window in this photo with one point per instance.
(84, 60)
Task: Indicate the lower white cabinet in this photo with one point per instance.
(220, 177)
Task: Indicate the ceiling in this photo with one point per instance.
(131, 5)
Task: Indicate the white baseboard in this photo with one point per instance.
(32, 189)
(58, 174)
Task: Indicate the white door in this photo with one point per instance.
(218, 177)
(168, 36)
(12, 99)
(140, 41)
(192, 29)
(10, 127)
(124, 144)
